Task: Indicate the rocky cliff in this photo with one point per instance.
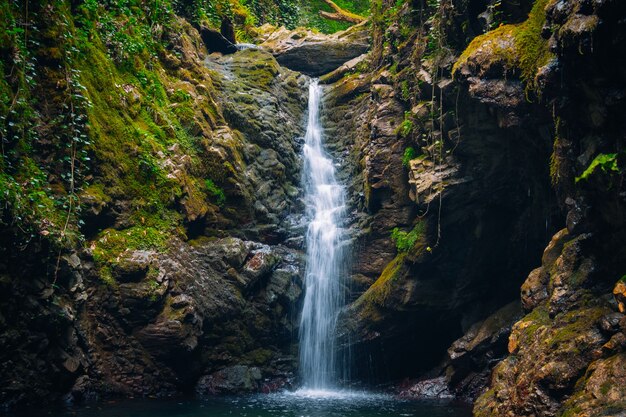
(465, 152)
(150, 222)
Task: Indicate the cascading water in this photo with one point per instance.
(324, 257)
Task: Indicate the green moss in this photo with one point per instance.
(531, 324)
(406, 127)
(572, 412)
(111, 244)
(215, 192)
(519, 46)
(572, 324)
(259, 356)
(381, 288)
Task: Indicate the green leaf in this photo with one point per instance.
(606, 162)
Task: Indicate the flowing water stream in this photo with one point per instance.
(325, 253)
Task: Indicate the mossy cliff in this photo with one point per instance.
(495, 125)
(146, 202)
(455, 179)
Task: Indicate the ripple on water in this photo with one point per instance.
(302, 403)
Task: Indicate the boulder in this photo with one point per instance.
(232, 380)
(133, 266)
(472, 357)
(313, 53)
(435, 388)
(216, 42)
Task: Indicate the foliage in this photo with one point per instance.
(607, 163)
(309, 14)
(216, 192)
(90, 113)
(41, 198)
(406, 91)
(406, 127)
(405, 241)
(409, 154)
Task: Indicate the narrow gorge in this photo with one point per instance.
(349, 208)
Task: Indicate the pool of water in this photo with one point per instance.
(296, 404)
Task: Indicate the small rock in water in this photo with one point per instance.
(435, 388)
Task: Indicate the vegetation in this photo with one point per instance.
(409, 154)
(405, 128)
(405, 241)
(606, 163)
(216, 192)
(515, 47)
(378, 293)
(310, 14)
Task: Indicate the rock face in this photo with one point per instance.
(565, 355)
(216, 42)
(189, 279)
(476, 193)
(312, 53)
(196, 309)
(266, 104)
(472, 357)
(480, 145)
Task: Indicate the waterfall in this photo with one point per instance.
(325, 209)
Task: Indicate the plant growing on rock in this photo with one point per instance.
(606, 163)
(409, 154)
(216, 192)
(405, 241)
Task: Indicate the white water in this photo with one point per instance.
(324, 258)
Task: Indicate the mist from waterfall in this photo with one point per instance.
(325, 257)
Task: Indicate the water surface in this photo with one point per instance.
(298, 404)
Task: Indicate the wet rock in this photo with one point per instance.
(549, 356)
(232, 250)
(312, 53)
(167, 336)
(233, 380)
(602, 391)
(472, 357)
(283, 285)
(611, 322)
(216, 42)
(436, 388)
(133, 266)
(259, 265)
(619, 292)
(534, 290)
(264, 104)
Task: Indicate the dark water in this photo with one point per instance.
(283, 404)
